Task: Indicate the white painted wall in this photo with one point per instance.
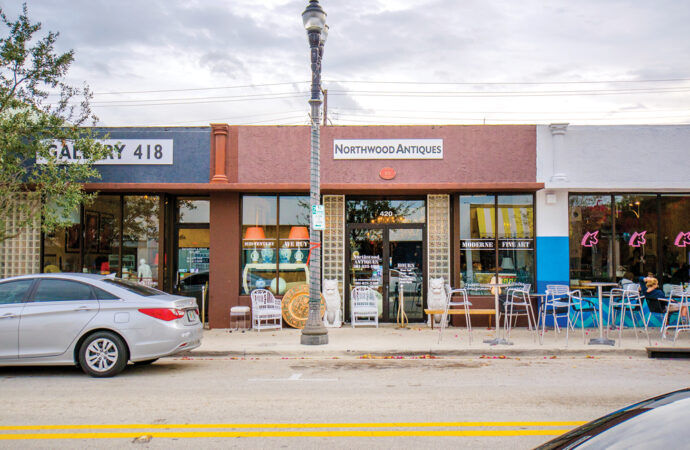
(552, 218)
(652, 158)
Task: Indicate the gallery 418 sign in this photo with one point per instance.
(122, 152)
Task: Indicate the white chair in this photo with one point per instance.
(678, 300)
(266, 310)
(364, 307)
(629, 299)
(449, 303)
(517, 304)
(557, 302)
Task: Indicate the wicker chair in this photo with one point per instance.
(363, 307)
(266, 310)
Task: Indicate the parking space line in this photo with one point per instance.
(159, 426)
(266, 434)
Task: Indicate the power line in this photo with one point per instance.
(202, 88)
(449, 83)
(506, 93)
(507, 83)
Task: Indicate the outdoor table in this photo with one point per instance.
(601, 340)
(498, 340)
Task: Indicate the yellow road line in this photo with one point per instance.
(265, 434)
(158, 426)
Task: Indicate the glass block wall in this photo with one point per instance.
(21, 254)
(333, 253)
(438, 229)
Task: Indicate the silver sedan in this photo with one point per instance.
(97, 322)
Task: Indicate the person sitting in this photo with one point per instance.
(652, 295)
(627, 278)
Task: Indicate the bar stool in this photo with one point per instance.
(237, 312)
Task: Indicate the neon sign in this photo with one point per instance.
(590, 239)
(683, 239)
(638, 239)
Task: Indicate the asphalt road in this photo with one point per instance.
(313, 403)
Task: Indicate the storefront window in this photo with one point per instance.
(477, 238)
(275, 242)
(386, 211)
(675, 239)
(496, 239)
(516, 238)
(102, 235)
(635, 246)
(140, 257)
(590, 238)
(194, 211)
(61, 248)
(294, 242)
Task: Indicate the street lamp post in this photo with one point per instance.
(314, 18)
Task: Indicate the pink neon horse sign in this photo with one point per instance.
(590, 239)
(683, 239)
(638, 239)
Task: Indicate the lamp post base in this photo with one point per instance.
(314, 335)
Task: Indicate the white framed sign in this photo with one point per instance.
(388, 149)
(318, 218)
(122, 152)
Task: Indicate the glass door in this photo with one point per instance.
(366, 261)
(390, 260)
(406, 273)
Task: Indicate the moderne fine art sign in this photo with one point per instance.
(122, 152)
(388, 149)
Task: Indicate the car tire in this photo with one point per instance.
(103, 354)
(145, 363)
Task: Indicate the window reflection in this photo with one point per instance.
(590, 238)
(140, 239)
(496, 238)
(635, 246)
(275, 242)
(386, 211)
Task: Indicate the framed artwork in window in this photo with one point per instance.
(72, 238)
(91, 232)
(106, 233)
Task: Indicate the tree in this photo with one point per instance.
(37, 110)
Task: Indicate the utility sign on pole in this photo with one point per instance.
(318, 218)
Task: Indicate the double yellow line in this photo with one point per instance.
(235, 430)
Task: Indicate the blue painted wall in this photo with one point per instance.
(553, 261)
(191, 156)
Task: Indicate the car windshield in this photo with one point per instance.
(134, 287)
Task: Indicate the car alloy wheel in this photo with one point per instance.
(103, 354)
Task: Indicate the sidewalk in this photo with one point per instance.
(418, 340)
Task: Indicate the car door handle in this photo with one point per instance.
(8, 316)
(83, 308)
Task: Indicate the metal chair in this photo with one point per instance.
(266, 310)
(616, 300)
(363, 307)
(676, 307)
(449, 303)
(519, 303)
(580, 305)
(556, 301)
(631, 301)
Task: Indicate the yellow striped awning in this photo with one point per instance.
(513, 222)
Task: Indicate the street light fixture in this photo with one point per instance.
(314, 19)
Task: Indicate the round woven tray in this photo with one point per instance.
(295, 306)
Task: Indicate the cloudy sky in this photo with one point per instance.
(194, 62)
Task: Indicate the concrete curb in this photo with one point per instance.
(325, 354)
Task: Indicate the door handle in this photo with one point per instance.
(83, 308)
(8, 316)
